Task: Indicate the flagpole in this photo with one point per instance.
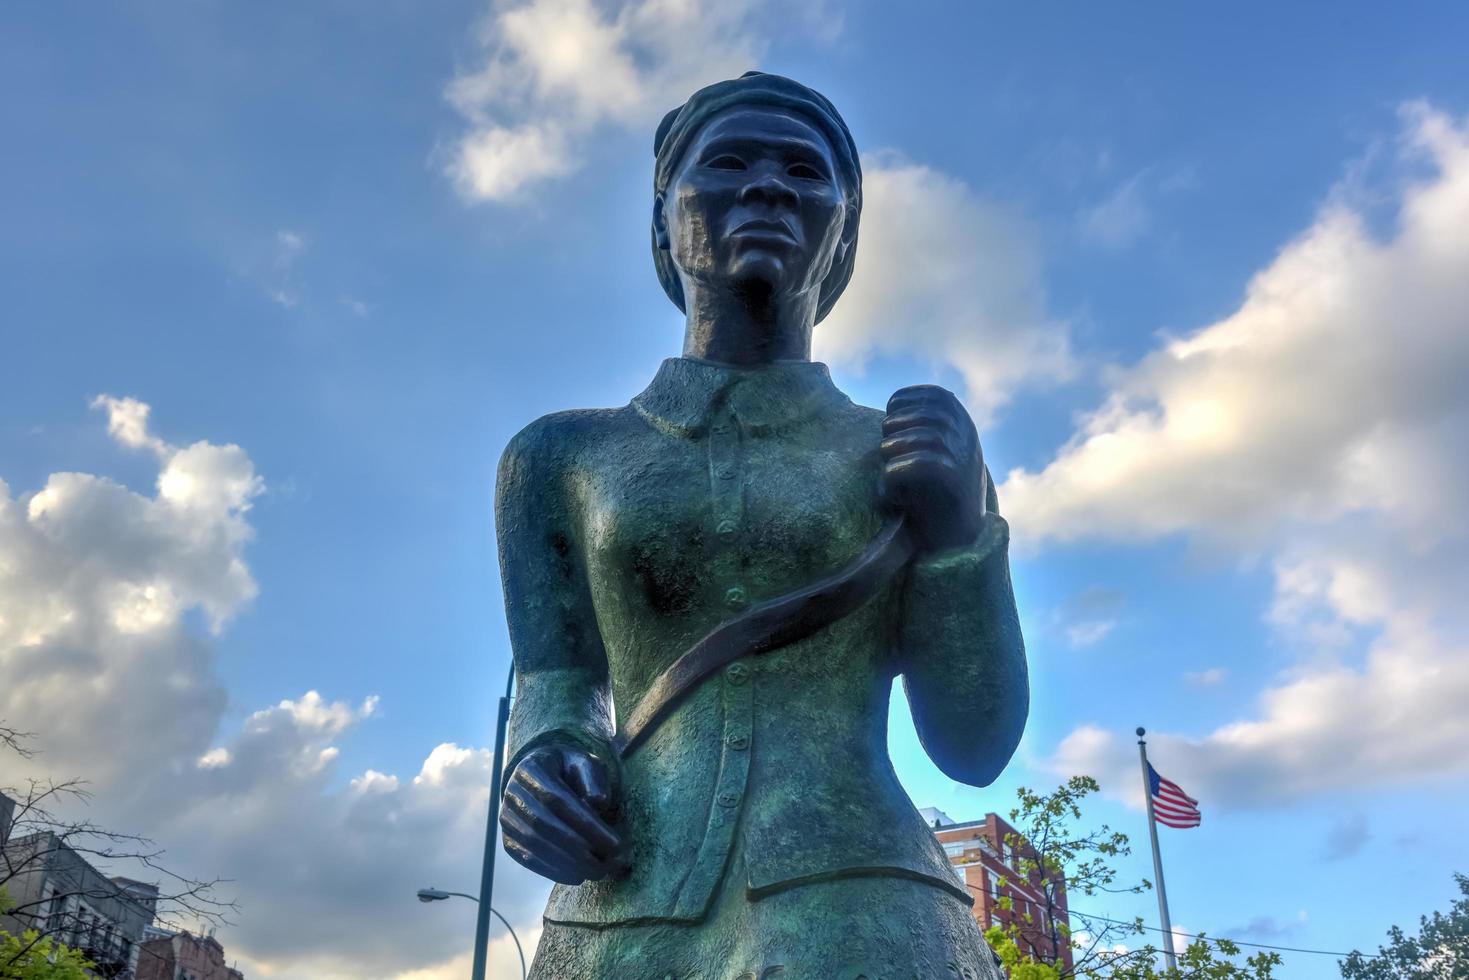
(1142, 751)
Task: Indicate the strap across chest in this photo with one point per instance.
(769, 626)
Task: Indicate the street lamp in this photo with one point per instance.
(427, 895)
(492, 823)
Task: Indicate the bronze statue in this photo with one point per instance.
(698, 750)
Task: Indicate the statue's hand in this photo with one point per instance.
(555, 816)
(932, 467)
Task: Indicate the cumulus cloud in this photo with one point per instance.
(96, 583)
(948, 276)
(553, 71)
(1318, 425)
(325, 868)
(1330, 390)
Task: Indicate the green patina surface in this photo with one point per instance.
(763, 819)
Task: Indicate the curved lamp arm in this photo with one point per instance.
(438, 895)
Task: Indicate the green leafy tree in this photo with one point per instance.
(1202, 959)
(31, 956)
(1054, 853)
(1440, 951)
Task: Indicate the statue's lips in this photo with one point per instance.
(760, 228)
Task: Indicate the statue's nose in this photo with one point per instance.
(769, 189)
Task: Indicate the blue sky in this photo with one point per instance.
(1197, 272)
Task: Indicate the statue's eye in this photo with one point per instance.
(805, 171)
(726, 161)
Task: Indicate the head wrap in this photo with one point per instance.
(679, 128)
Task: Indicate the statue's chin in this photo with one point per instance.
(759, 275)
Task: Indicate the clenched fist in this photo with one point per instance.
(555, 816)
(932, 468)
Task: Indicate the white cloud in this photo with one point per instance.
(1319, 425)
(945, 275)
(313, 859)
(96, 581)
(1205, 678)
(1089, 633)
(127, 422)
(1119, 219)
(1125, 214)
(1088, 617)
(1331, 390)
(556, 70)
(497, 161)
(214, 758)
(283, 286)
(289, 246)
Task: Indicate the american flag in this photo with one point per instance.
(1172, 807)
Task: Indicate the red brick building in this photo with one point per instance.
(184, 956)
(982, 855)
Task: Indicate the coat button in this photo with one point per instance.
(737, 740)
(724, 471)
(726, 530)
(738, 673)
(728, 798)
(735, 598)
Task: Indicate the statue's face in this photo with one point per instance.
(756, 201)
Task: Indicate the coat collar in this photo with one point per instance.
(687, 393)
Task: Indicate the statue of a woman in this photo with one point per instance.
(752, 826)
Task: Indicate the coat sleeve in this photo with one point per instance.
(962, 656)
(562, 689)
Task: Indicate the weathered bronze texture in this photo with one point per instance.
(734, 568)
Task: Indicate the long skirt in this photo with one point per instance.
(873, 927)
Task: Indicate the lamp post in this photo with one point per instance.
(492, 821)
(438, 895)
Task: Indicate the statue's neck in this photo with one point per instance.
(748, 326)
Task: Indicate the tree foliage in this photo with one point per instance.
(31, 956)
(1440, 951)
(1053, 848)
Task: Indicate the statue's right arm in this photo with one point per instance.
(562, 771)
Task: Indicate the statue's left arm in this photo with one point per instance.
(958, 640)
(963, 658)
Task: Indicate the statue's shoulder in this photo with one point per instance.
(864, 414)
(861, 417)
(555, 442)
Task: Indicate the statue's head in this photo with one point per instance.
(757, 183)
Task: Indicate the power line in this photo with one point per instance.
(1069, 911)
(1237, 942)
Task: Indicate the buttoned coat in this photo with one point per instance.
(627, 534)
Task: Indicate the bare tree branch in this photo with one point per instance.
(40, 835)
